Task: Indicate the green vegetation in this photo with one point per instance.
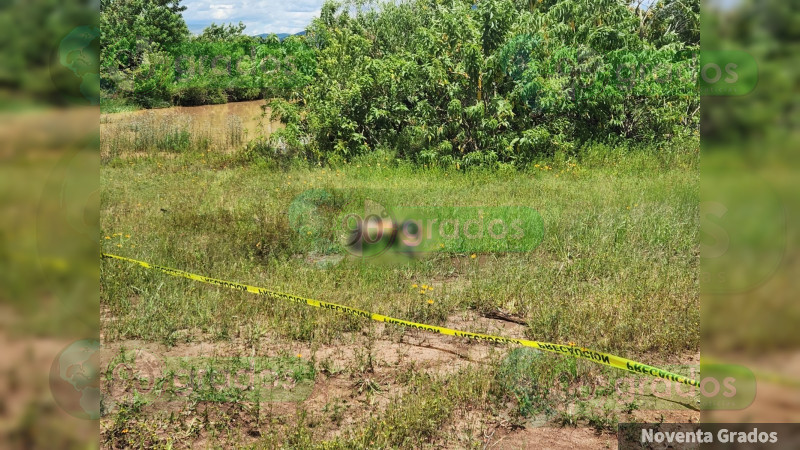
(415, 104)
(617, 271)
(148, 59)
(766, 30)
(748, 144)
(498, 81)
(48, 238)
(441, 83)
(620, 231)
(30, 71)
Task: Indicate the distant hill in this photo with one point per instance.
(282, 36)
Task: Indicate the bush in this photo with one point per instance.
(497, 82)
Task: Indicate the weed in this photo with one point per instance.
(615, 272)
(630, 407)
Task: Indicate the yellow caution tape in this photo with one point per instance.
(572, 350)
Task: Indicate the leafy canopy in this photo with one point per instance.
(497, 80)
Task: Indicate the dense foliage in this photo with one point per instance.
(455, 81)
(29, 51)
(769, 30)
(149, 57)
(437, 81)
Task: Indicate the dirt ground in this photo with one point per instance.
(393, 356)
(29, 414)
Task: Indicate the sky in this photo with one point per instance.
(260, 16)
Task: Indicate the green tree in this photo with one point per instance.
(498, 80)
(222, 32)
(669, 21)
(137, 35)
(29, 59)
(154, 22)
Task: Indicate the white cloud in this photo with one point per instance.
(260, 16)
(221, 12)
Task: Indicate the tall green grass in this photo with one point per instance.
(616, 269)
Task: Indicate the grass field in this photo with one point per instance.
(616, 272)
